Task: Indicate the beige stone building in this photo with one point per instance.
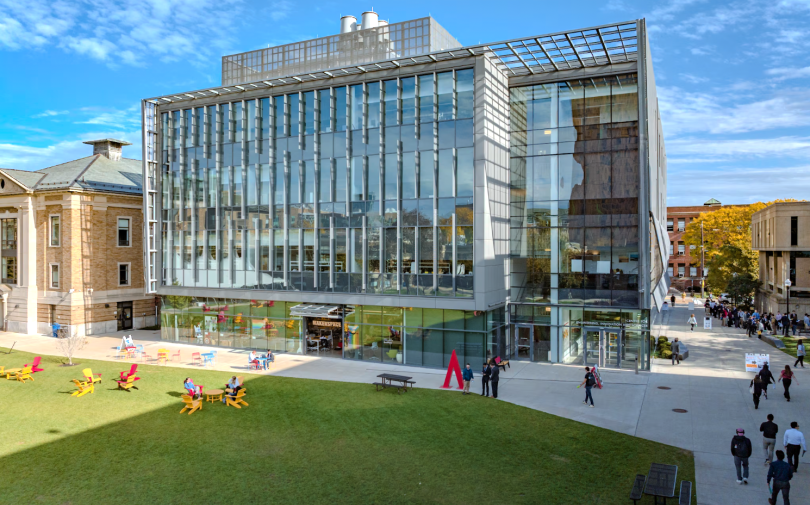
(781, 234)
(72, 245)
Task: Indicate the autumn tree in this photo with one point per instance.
(727, 242)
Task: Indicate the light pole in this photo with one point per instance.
(702, 269)
(787, 288)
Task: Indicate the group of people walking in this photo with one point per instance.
(780, 472)
(762, 381)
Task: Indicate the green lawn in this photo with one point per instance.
(792, 342)
(299, 441)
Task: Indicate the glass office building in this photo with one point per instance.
(471, 199)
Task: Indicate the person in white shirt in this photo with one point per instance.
(793, 441)
(692, 321)
(800, 353)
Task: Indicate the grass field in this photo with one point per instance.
(299, 441)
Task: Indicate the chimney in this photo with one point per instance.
(111, 148)
(348, 24)
(369, 20)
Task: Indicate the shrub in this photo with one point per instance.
(666, 354)
(662, 339)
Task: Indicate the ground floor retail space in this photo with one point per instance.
(383, 334)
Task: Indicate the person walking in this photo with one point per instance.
(496, 371)
(781, 473)
(794, 322)
(800, 353)
(692, 321)
(467, 375)
(485, 374)
(787, 377)
(760, 329)
(741, 450)
(785, 324)
(676, 349)
(767, 379)
(672, 299)
(769, 430)
(793, 440)
(589, 383)
(756, 389)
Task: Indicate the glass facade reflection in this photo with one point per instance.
(574, 211)
(364, 188)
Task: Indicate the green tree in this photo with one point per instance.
(727, 243)
(741, 288)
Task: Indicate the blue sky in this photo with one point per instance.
(731, 76)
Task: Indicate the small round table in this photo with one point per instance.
(213, 394)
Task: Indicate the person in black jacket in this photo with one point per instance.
(496, 371)
(756, 383)
(741, 450)
(485, 374)
(781, 473)
(767, 379)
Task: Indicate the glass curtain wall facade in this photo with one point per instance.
(366, 188)
(574, 214)
(404, 335)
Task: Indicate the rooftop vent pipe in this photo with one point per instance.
(348, 24)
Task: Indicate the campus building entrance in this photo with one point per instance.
(324, 337)
(609, 348)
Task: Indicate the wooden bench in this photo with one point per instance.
(638, 488)
(685, 498)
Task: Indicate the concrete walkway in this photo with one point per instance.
(711, 385)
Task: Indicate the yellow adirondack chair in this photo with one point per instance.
(84, 388)
(23, 374)
(127, 384)
(238, 400)
(88, 374)
(192, 405)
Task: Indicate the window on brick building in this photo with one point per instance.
(692, 271)
(123, 274)
(55, 231)
(681, 269)
(123, 231)
(681, 224)
(670, 270)
(54, 275)
(681, 248)
(669, 225)
(671, 248)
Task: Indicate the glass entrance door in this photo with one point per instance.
(523, 341)
(603, 347)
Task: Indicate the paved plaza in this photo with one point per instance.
(711, 386)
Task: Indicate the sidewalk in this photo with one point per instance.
(711, 385)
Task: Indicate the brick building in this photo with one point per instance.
(72, 245)
(684, 262)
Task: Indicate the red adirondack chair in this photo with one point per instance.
(132, 370)
(35, 365)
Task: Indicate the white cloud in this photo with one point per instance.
(703, 150)
(784, 73)
(126, 31)
(692, 112)
(694, 79)
(49, 113)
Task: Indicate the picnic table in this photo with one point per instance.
(661, 481)
(214, 394)
(389, 379)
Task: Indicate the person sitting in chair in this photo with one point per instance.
(233, 385)
(193, 391)
(269, 358)
(252, 359)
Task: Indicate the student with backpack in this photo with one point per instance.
(741, 450)
(589, 383)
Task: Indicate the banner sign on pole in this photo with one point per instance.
(707, 323)
(754, 362)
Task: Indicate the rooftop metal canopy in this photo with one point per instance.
(586, 47)
(317, 310)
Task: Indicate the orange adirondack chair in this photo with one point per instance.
(192, 405)
(23, 374)
(84, 388)
(236, 401)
